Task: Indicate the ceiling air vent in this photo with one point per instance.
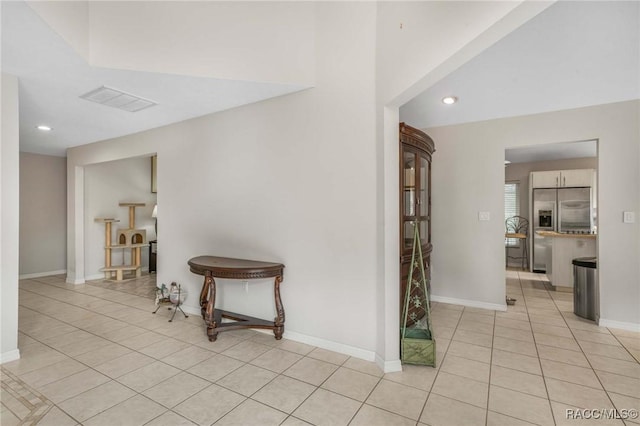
(117, 99)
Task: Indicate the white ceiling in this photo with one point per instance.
(52, 76)
(552, 151)
(573, 54)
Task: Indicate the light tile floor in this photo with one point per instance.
(93, 354)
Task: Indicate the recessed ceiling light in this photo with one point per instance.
(449, 100)
(44, 128)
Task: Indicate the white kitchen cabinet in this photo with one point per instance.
(563, 250)
(562, 178)
(578, 177)
(549, 179)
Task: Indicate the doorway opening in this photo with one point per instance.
(552, 188)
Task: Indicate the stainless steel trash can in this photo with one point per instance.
(586, 296)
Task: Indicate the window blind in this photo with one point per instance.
(511, 207)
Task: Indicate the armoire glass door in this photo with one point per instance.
(416, 149)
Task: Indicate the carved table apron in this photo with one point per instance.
(240, 269)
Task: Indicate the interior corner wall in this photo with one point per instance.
(105, 186)
(70, 19)
(43, 214)
(291, 179)
(265, 41)
(468, 177)
(416, 37)
(411, 55)
(9, 218)
(75, 220)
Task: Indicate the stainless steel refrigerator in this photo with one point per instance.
(563, 210)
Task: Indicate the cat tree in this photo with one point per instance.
(129, 238)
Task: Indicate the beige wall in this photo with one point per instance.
(107, 185)
(411, 55)
(290, 179)
(241, 40)
(307, 178)
(9, 211)
(408, 30)
(43, 214)
(70, 19)
(468, 176)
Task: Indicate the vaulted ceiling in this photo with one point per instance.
(75, 52)
(573, 54)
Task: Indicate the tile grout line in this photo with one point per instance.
(20, 397)
(158, 360)
(438, 369)
(587, 358)
(486, 420)
(530, 328)
(460, 316)
(100, 336)
(115, 379)
(571, 330)
(80, 293)
(250, 397)
(622, 344)
(168, 410)
(535, 344)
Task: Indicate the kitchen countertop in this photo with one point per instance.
(515, 235)
(559, 235)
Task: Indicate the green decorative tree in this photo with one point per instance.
(417, 343)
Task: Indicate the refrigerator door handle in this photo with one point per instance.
(556, 180)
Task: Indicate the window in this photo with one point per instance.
(511, 207)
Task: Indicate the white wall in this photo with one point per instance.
(290, 179)
(43, 215)
(9, 211)
(317, 170)
(107, 185)
(252, 41)
(416, 37)
(415, 48)
(468, 176)
(70, 19)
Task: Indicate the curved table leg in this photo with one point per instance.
(279, 320)
(204, 294)
(210, 309)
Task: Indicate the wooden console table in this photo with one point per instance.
(238, 269)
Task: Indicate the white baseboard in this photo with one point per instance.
(100, 276)
(322, 343)
(191, 310)
(331, 346)
(629, 326)
(470, 303)
(94, 277)
(42, 274)
(70, 280)
(10, 356)
(389, 366)
(327, 344)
